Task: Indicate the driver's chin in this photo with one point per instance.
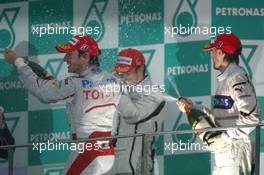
(216, 67)
(131, 82)
(71, 69)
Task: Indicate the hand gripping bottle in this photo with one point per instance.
(42, 73)
(197, 117)
(38, 70)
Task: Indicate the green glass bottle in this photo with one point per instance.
(38, 70)
(197, 118)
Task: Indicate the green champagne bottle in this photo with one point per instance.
(38, 70)
(197, 118)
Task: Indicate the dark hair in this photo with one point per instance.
(94, 60)
(145, 70)
(232, 58)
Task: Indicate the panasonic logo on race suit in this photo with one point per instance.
(141, 18)
(190, 69)
(94, 89)
(232, 11)
(92, 84)
(223, 102)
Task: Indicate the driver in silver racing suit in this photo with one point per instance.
(90, 108)
(137, 113)
(235, 103)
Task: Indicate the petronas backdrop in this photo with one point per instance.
(158, 29)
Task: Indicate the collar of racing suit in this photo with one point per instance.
(90, 70)
(226, 72)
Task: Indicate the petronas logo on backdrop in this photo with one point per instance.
(246, 58)
(7, 19)
(185, 16)
(94, 18)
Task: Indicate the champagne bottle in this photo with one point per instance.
(197, 118)
(42, 73)
(38, 70)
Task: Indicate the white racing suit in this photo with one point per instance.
(235, 103)
(90, 113)
(137, 113)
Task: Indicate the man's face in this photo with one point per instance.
(133, 77)
(218, 58)
(74, 62)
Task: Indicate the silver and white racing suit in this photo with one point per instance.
(137, 113)
(235, 103)
(90, 113)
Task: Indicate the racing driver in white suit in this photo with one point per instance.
(138, 112)
(90, 108)
(235, 103)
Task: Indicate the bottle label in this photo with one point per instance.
(202, 124)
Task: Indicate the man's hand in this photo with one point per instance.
(215, 142)
(10, 56)
(184, 104)
(213, 139)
